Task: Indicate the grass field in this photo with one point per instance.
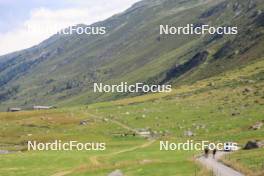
(251, 163)
(218, 109)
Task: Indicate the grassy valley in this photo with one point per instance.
(217, 93)
(221, 108)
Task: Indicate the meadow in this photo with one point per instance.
(219, 109)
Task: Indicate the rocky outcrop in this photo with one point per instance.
(214, 10)
(257, 126)
(251, 4)
(254, 145)
(188, 133)
(225, 50)
(259, 21)
(178, 70)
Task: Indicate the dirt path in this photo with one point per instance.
(123, 125)
(115, 122)
(95, 159)
(63, 173)
(133, 148)
(217, 167)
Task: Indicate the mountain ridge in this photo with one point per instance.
(62, 69)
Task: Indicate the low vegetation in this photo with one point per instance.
(219, 109)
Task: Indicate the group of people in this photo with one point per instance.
(206, 152)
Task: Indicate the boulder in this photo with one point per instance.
(105, 120)
(188, 133)
(252, 4)
(247, 90)
(254, 145)
(84, 122)
(257, 126)
(211, 84)
(235, 113)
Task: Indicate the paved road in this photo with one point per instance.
(217, 167)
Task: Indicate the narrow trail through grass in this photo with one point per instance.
(95, 160)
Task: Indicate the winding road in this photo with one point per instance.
(217, 167)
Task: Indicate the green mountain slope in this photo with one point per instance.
(62, 69)
(218, 109)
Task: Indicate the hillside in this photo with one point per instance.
(219, 109)
(61, 70)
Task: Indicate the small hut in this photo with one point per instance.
(14, 109)
(42, 107)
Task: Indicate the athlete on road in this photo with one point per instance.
(206, 152)
(214, 153)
